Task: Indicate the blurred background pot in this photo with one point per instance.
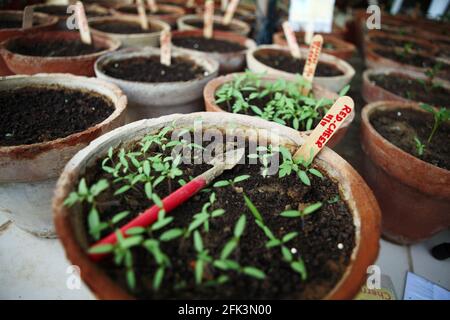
(166, 13)
(236, 26)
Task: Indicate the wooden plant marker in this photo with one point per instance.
(190, 3)
(27, 19)
(291, 40)
(326, 128)
(166, 39)
(83, 26)
(208, 21)
(142, 14)
(224, 5)
(152, 5)
(311, 62)
(309, 33)
(231, 9)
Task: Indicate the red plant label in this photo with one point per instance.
(291, 40)
(311, 62)
(208, 19)
(82, 23)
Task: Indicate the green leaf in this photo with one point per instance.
(312, 208)
(287, 255)
(299, 267)
(131, 279)
(161, 223)
(198, 243)
(121, 190)
(220, 264)
(304, 177)
(228, 249)
(273, 243)
(101, 249)
(171, 234)
(288, 237)
(135, 231)
(254, 272)
(222, 183)
(72, 199)
(253, 209)
(199, 271)
(157, 200)
(241, 178)
(120, 216)
(217, 213)
(290, 214)
(344, 90)
(93, 222)
(99, 187)
(148, 190)
(82, 187)
(131, 242)
(158, 278)
(315, 172)
(240, 226)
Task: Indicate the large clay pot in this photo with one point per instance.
(331, 83)
(78, 65)
(132, 40)
(229, 61)
(414, 195)
(149, 100)
(239, 27)
(209, 95)
(372, 93)
(29, 172)
(71, 229)
(42, 22)
(171, 15)
(342, 49)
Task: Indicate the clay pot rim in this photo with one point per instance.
(110, 43)
(370, 108)
(119, 108)
(219, 35)
(340, 64)
(408, 73)
(212, 86)
(49, 20)
(382, 34)
(340, 44)
(358, 197)
(240, 26)
(203, 61)
(173, 11)
(157, 22)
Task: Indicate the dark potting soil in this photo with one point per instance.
(400, 127)
(321, 235)
(150, 69)
(301, 41)
(217, 26)
(389, 42)
(283, 61)
(121, 27)
(207, 45)
(10, 24)
(39, 114)
(413, 89)
(55, 10)
(411, 58)
(133, 10)
(56, 48)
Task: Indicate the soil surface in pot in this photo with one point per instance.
(401, 127)
(413, 89)
(55, 10)
(40, 114)
(150, 69)
(133, 10)
(56, 48)
(10, 24)
(122, 27)
(208, 45)
(283, 61)
(217, 26)
(389, 42)
(325, 238)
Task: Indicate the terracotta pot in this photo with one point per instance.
(171, 17)
(78, 65)
(43, 22)
(373, 93)
(110, 3)
(29, 172)
(71, 229)
(342, 49)
(442, 42)
(62, 18)
(209, 94)
(331, 83)
(179, 3)
(414, 195)
(428, 47)
(239, 27)
(229, 61)
(131, 40)
(149, 100)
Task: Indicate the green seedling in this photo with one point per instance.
(420, 147)
(440, 116)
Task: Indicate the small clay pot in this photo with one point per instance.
(150, 100)
(229, 61)
(132, 40)
(239, 27)
(209, 95)
(331, 83)
(414, 195)
(29, 172)
(342, 49)
(43, 22)
(171, 16)
(77, 65)
(71, 226)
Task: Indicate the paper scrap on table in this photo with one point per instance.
(418, 288)
(317, 12)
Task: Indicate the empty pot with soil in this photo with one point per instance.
(55, 52)
(154, 89)
(192, 22)
(404, 85)
(331, 73)
(272, 99)
(331, 45)
(45, 120)
(407, 162)
(11, 26)
(128, 30)
(227, 48)
(284, 240)
(166, 13)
